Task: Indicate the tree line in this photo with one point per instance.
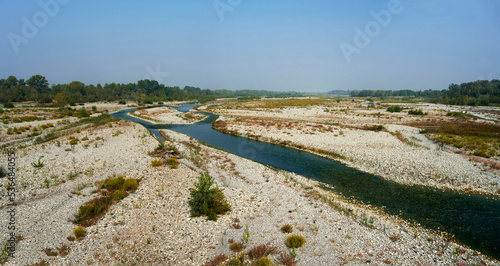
(37, 89)
(481, 92)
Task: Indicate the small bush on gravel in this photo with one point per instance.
(79, 231)
(286, 229)
(206, 200)
(264, 261)
(130, 184)
(156, 162)
(394, 109)
(119, 194)
(237, 247)
(262, 250)
(116, 189)
(295, 241)
(287, 259)
(172, 163)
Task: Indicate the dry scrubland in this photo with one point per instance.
(82, 161)
(458, 150)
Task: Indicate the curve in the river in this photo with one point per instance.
(472, 219)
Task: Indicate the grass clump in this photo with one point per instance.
(156, 162)
(38, 164)
(286, 229)
(416, 112)
(295, 241)
(217, 260)
(172, 163)
(265, 261)
(79, 231)
(206, 200)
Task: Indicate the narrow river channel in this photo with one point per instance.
(473, 220)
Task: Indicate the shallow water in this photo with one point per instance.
(472, 219)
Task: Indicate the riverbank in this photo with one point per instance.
(153, 226)
(384, 145)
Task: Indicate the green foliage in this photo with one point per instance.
(206, 200)
(264, 261)
(79, 231)
(172, 163)
(130, 184)
(119, 194)
(83, 113)
(8, 105)
(38, 164)
(113, 184)
(156, 162)
(1, 111)
(295, 241)
(286, 228)
(394, 109)
(116, 189)
(416, 112)
(122, 102)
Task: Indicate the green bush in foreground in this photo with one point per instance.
(79, 231)
(206, 200)
(295, 241)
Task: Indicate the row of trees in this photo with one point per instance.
(37, 88)
(481, 92)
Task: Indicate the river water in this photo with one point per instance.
(473, 220)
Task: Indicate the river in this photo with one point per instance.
(472, 219)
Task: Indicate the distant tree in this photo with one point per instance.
(61, 99)
(38, 82)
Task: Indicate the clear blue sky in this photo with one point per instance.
(280, 45)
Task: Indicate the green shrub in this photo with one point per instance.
(416, 112)
(130, 184)
(91, 212)
(295, 241)
(1, 111)
(156, 162)
(8, 105)
(119, 194)
(206, 200)
(113, 184)
(394, 109)
(122, 102)
(265, 261)
(79, 231)
(172, 163)
(286, 228)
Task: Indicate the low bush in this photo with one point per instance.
(206, 200)
(172, 163)
(394, 109)
(130, 184)
(8, 105)
(237, 247)
(156, 162)
(295, 241)
(286, 228)
(416, 112)
(79, 231)
(264, 261)
(261, 251)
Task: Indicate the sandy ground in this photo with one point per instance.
(152, 226)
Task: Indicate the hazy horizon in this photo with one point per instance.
(279, 45)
